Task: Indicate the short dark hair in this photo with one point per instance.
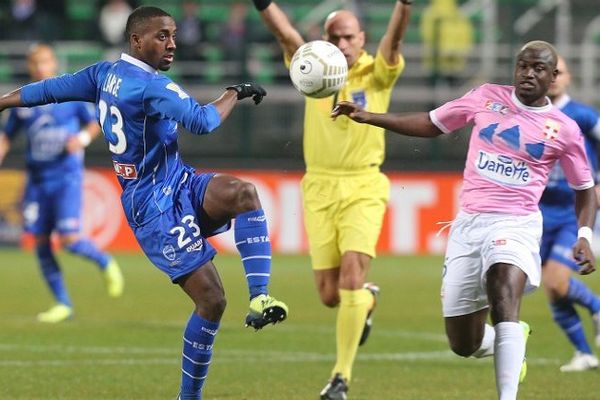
(540, 46)
(140, 15)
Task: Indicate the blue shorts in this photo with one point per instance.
(52, 205)
(557, 244)
(175, 241)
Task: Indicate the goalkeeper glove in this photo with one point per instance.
(249, 90)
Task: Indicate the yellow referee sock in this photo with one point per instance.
(354, 306)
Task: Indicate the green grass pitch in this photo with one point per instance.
(129, 348)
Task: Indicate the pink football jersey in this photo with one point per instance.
(512, 149)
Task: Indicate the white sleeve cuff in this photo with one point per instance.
(437, 122)
(586, 185)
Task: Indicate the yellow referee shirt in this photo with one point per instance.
(344, 146)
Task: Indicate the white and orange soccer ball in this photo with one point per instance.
(318, 69)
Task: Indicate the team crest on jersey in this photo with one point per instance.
(360, 98)
(169, 252)
(496, 107)
(551, 129)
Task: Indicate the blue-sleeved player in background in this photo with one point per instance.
(56, 137)
(170, 209)
(560, 232)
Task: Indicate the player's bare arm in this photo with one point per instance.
(4, 146)
(10, 100)
(585, 207)
(407, 124)
(280, 26)
(225, 103)
(391, 42)
(228, 100)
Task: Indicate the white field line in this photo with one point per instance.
(291, 329)
(5, 347)
(221, 356)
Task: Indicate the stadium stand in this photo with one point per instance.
(261, 61)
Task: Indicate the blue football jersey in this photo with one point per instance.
(558, 200)
(139, 110)
(48, 128)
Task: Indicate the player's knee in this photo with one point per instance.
(329, 298)
(463, 349)
(238, 196)
(553, 291)
(352, 281)
(247, 196)
(220, 304)
(213, 307)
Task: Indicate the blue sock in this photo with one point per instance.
(87, 249)
(52, 274)
(580, 294)
(566, 317)
(252, 241)
(198, 340)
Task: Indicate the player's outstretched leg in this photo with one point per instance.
(252, 241)
(581, 294)
(108, 265)
(62, 310)
(567, 318)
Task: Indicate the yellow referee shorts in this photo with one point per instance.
(343, 213)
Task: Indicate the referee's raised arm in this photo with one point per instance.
(390, 43)
(280, 26)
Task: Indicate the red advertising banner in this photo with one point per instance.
(419, 204)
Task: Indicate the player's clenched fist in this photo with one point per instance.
(249, 90)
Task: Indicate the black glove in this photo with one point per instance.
(249, 90)
(261, 4)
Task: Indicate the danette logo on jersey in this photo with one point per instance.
(496, 107)
(125, 171)
(551, 129)
(503, 169)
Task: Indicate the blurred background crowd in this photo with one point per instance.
(450, 46)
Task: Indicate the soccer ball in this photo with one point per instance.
(318, 69)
